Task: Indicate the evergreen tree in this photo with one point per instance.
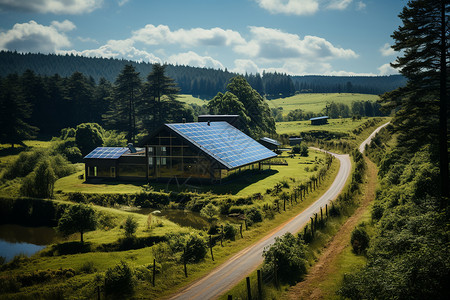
(423, 102)
(159, 104)
(122, 113)
(14, 113)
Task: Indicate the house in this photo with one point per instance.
(269, 143)
(293, 140)
(208, 151)
(319, 120)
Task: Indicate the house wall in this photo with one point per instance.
(170, 156)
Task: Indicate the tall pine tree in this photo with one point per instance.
(14, 113)
(159, 101)
(123, 109)
(423, 40)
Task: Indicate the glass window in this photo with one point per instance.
(132, 170)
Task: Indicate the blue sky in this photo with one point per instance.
(298, 37)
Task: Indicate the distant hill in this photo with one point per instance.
(348, 84)
(200, 82)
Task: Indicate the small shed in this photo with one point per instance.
(269, 143)
(293, 140)
(319, 120)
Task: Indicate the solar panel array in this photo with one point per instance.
(223, 142)
(107, 152)
(269, 140)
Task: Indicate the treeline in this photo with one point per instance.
(348, 84)
(202, 82)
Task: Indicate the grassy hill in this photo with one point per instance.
(316, 102)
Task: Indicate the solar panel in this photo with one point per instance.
(269, 140)
(107, 152)
(223, 142)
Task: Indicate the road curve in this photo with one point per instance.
(225, 276)
(362, 147)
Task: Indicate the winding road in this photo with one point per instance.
(225, 276)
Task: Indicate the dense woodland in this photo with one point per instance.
(202, 82)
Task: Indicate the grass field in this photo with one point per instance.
(241, 186)
(316, 102)
(189, 99)
(334, 125)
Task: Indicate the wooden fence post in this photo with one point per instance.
(184, 261)
(154, 272)
(260, 295)
(221, 237)
(241, 231)
(211, 246)
(249, 289)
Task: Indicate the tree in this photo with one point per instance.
(77, 218)
(88, 136)
(40, 182)
(210, 211)
(121, 115)
(130, 226)
(14, 112)
(229, 104)
(261, 120)
(159, 99)
(423, 103)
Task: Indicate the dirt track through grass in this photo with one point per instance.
(311, 288)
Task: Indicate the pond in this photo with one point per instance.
(185, 218)
(16, 239)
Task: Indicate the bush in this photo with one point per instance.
(359, 240)
(195, 248)
(119, 280)
(229, 232)
(254, 215)
(287, 255)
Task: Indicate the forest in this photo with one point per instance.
(201, 82)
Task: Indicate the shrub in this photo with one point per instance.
(195, 248)
(287, 255)
(254, 215)
(359, 240)
(119, 280)
(130, 226)
(229, 232)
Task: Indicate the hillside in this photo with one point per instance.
(316, 102)
(200, 82)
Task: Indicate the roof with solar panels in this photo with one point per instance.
(222, 142)
(219, 140)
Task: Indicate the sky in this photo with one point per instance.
(297, 37)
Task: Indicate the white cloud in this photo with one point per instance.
(193, 59)
(361, 5)
(51, 6)
(243, 66)
(122, 2)
(87, 40)
(386, 50)
(274, 44)
(34, 37)
(65, 25)
(161, 34)
(117, 49)
(386, 69)
(290, 7)
(339, 4)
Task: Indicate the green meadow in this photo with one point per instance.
(316, 102)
